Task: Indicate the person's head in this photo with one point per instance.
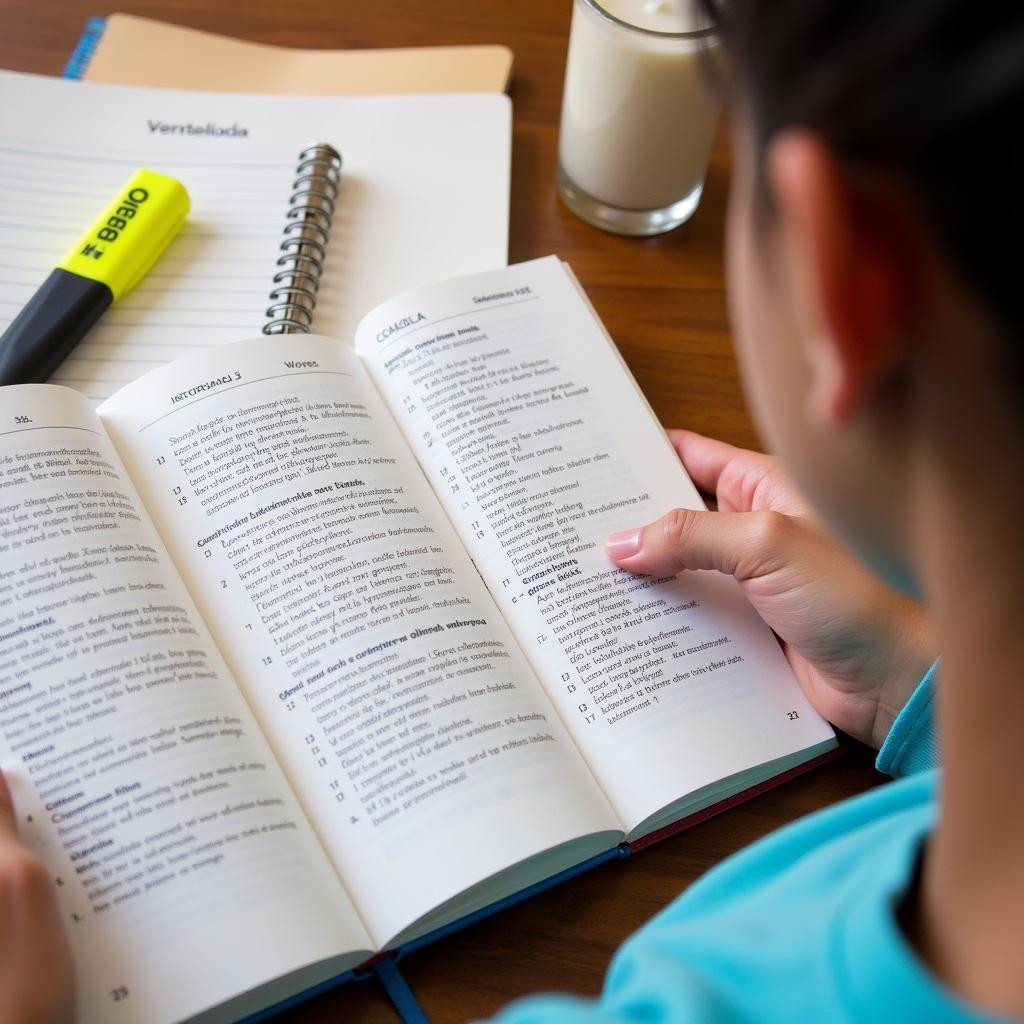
(874, 244)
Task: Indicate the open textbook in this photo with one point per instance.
(306, 652)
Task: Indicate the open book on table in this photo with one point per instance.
(306, 653)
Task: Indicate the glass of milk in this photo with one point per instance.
(639, 113)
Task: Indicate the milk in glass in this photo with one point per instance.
(639, 113)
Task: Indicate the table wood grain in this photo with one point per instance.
(663, 301)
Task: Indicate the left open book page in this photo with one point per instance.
(66, 147)
(139, 774)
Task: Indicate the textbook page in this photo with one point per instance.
(421, 744)
(186, 872)
(418, 172)
(539, 443)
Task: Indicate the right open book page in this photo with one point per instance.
(539, 443)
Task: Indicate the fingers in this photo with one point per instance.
(8, 828)
(705, 458)
(741, 480)
(741, 544)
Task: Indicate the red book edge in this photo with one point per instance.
(735, 800)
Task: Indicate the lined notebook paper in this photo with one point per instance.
(424, 197)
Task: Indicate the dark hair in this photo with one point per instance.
(932, 90)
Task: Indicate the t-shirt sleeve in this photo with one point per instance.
(912, 745)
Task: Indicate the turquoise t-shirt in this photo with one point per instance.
(801, 926)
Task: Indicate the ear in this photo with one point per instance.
(849, 270)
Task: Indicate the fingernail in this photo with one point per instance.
(623, 544)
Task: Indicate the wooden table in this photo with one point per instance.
(663, 301)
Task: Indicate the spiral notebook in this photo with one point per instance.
(423, 196)
(307, 231)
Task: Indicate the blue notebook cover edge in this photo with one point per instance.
(84, 49)
(303, 996)
(615, 853)
(408, 1013)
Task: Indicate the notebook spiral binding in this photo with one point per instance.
(304, 245)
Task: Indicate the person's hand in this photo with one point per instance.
(36, 981)
(857, 646)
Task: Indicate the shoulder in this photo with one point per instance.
(767, 936)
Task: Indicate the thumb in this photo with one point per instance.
(741, 544)
(8, 830)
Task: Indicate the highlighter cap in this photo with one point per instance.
(131, 233)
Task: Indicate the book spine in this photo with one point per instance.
(304, 246)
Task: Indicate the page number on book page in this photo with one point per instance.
(119, 994)
(792, 715)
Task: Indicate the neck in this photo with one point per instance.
(968, 915)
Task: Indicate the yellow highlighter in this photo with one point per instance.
(107, 262)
